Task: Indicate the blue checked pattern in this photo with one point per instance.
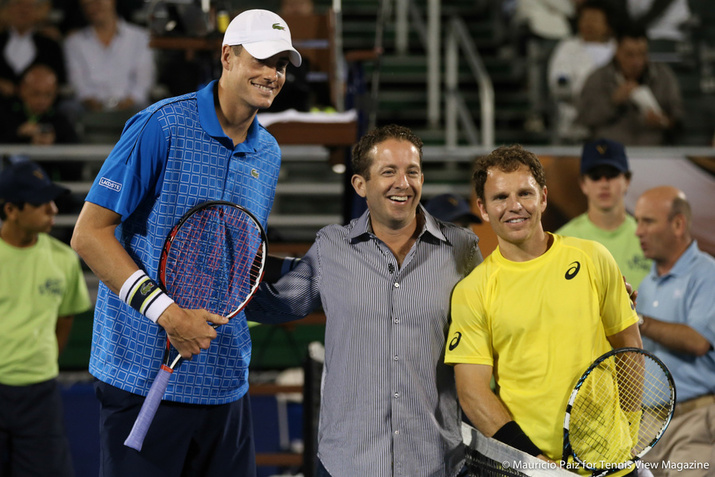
(127, 348)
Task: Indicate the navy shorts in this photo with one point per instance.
(184, 440)
(32, 433)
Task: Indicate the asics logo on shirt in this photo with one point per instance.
(574, 267)
(455, 341)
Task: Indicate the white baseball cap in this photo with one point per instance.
(263, 34)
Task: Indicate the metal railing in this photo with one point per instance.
(458, 39)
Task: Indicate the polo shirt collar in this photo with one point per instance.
(210, 124)
(685, 261)
(682, 266)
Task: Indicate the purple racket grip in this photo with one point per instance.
(148, 410)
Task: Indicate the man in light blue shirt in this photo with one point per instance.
(676, 305)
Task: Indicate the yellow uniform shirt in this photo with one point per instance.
(540, 324)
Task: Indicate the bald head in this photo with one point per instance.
(664, 218)
(671, 199)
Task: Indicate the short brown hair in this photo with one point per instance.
(361, 157)
(681, 206)
(506, 159)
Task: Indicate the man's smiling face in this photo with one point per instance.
(394, 185)
(257, 82)
(513, 204)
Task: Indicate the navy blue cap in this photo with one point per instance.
(603, 152)
(451, 208)
(26, 181)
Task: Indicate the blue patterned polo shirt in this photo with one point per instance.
(170, 157)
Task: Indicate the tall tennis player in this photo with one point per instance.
(174, 155)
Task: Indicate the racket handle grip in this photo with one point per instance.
(148, 410)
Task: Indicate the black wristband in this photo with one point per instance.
(512, 435)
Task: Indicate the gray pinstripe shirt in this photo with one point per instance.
(389, 404)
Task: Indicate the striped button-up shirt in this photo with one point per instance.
(389, 403)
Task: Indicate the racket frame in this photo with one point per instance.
(567, 447)
(170, 363)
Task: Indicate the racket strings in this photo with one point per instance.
(621, 409)
(215, 260)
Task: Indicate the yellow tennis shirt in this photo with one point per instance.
(540, 324)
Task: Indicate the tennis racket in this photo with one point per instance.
(618, 410)
(213, 259)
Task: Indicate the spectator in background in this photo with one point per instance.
(31, 117)
(676, 307)
(71, 17)
(110, 65)
(22, 46)
(632, 100)
(574, 58)
(662, 19)
(452, 208)
(605, 177)
(41, 289)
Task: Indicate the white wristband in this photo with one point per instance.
(144, 295)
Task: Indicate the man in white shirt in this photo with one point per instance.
(109, 62)
(574, 59)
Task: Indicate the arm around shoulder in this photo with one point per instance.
(293, 294)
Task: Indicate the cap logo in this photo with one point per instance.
(277, 26)
(38, 173)
(601, 149)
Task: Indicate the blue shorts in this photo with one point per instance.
(184, 439)
(32, 433)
